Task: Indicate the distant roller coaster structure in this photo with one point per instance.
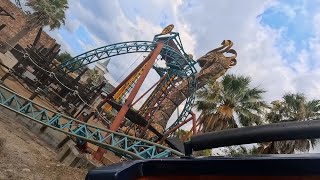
(179, 66)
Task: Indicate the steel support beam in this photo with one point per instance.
(178, 63)
(120, 116)
(122, 83)
(147, 91)
(129, 77)
(194, 122)
(120, 144)
(174, 129)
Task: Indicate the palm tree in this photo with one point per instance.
(45, 13)
(293, 107)
(219, 102)
(63, 57)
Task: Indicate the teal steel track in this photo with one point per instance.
(121, 144)
(107, 52)
(177, 60)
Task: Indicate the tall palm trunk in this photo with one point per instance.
(222, 119)
(14, 40)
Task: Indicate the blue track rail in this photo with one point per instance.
(178, 62)
(182, 64)
(121, 144)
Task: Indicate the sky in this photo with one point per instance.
(278, 42)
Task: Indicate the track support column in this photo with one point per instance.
(119, 118)
(114, 91)
(194, 122)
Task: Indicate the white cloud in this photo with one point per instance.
(72, 24)
(259, 53)
(301, 66)
(314, 42)
(290, 47)
(211, 22)
(288, 10)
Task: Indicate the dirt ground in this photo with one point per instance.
(23, 155)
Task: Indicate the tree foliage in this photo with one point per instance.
(47, 13)
(44, 13)
(235, 151)
(220, 102)
(63, 57)
(232, 102)
(292, 107)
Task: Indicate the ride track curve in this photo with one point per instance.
(178, 62)
(121, 144)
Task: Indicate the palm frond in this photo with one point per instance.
(293, 107)
(47, 13)
(232, 95)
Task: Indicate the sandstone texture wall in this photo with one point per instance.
(13, 26)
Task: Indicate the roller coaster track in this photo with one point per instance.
(183, 65)
(177, 61)
(121, 144)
